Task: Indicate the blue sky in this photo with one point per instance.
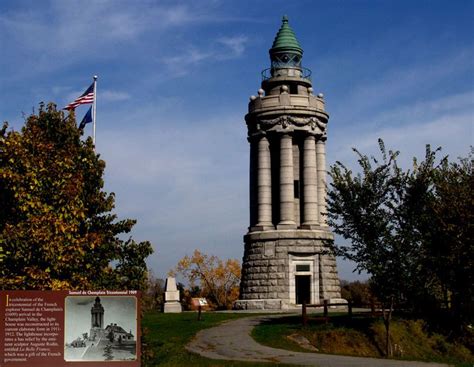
(174, 82)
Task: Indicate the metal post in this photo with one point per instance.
(94, 108)
(199, 313)
(305, 318)
(325, 308)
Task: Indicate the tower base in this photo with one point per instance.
(283, 268)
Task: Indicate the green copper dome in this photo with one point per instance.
(285, 40)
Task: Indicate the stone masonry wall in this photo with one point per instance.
(266, 273)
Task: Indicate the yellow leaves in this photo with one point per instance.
(184, 263)
(2, 253)
(218, 280)
(57, 285)
(52, 184)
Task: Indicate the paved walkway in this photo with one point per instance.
(232, 341)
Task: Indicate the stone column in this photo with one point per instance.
(321, 167)
(253, 182)
(287, 200)
(310, 187)
(264, 185)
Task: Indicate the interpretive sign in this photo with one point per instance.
(69, 328)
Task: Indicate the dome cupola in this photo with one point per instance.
(286, 51)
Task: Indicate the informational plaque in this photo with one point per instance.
(69, 328)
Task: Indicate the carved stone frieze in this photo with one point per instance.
(286, 121)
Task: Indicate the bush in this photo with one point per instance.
(357, 292)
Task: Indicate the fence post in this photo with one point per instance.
(305, 318)
(349, 305)
(325, 308)
(199, 312)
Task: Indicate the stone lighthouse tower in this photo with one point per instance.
(285, 260)
(97, 320)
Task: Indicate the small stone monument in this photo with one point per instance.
(172, 304)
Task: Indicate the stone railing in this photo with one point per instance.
(300, 72)
(286, 100)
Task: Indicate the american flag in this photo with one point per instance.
(85, 98)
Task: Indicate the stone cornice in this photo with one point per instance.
(322, 234)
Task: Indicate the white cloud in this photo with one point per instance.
(236, 44)
(62, 34)
(187, 182)
(112, 96)
(446, 122)
(224, 48)
(404, 82)
(180, 65)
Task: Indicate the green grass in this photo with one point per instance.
(363, 336)
(167, 334)
(273, 333)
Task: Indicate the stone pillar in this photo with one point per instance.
(287, 200)
(310, 187)
(253, 182)
(264, 185)
(172, 304)
(321, 169)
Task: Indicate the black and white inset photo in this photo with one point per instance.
(100, 328)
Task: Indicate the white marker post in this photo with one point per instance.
(94, 108)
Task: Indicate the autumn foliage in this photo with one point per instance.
(57, 230)
(218, 280)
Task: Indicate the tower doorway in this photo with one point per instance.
(303, 289)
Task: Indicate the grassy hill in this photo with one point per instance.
(363, 336)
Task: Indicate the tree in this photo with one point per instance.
(448, 235)
(218, 280)
(411, 231)
(57, 229)
(152, 296)
(108, 353)
(357, 292)
(369, 209)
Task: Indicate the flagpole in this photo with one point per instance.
(94, 107)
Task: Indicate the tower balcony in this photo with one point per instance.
(295, 72)
(286, 101)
